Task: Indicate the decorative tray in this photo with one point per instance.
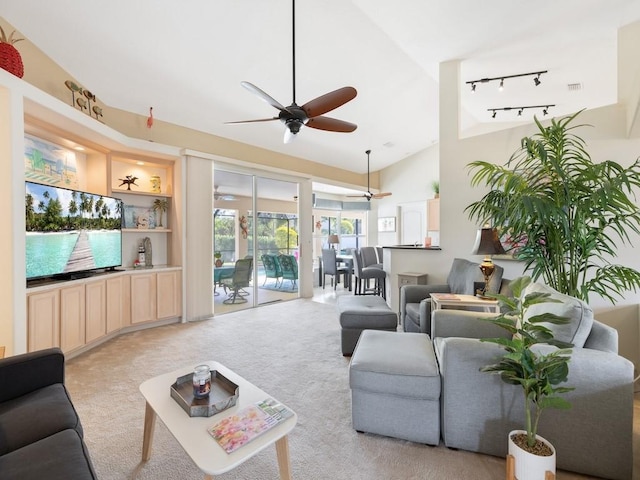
(223, 395)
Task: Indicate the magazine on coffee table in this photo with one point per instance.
(239, 429)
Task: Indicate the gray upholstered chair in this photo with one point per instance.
(369, 257)
(364, 274)
(330, 267)
(415, 300)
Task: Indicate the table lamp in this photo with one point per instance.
(333, 240)
(487, 244)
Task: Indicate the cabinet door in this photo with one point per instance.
(143, 297)
(168, 294)
(43, 320)
(115, 303)
(72, 317)
(96, 311)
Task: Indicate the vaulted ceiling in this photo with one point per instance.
(187, 59)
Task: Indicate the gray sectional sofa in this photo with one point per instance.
(40, 432)
(478, 410)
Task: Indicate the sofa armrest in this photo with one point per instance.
(28, 372)
(417, 293)
(602, 337)
(464, 323)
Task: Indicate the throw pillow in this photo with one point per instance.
(579, 313)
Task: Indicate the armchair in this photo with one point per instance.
(415, 300)
(593, 437)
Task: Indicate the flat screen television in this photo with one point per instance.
(69, 233)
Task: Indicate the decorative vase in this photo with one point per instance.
(529, 466)
(10, 58)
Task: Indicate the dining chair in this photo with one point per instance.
(369, 257)
(330, 267)
(364, 274)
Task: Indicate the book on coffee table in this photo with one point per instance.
(239, 429)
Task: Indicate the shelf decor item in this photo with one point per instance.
(160, 205)
(156, 184)
(10, 58)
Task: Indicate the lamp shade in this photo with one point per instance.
(333, 239)
(487, 243)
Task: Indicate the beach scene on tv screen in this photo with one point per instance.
(69, 231)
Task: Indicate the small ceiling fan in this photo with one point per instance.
(368, 195)
(311, 113)
(221, 196)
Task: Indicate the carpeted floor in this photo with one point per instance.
(289, 349)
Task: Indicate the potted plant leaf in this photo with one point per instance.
(566, 213)
(160, 205)
(537, 370)
(218, 256)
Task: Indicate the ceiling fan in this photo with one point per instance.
(311, 113)
(368, 195)
(221, 196)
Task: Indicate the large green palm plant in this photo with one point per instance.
(566, 213)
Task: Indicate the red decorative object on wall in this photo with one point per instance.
(10, 59)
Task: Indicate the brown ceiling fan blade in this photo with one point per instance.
(331, 124)
(253, 121)
(381, 195)
(329, 101)
(263, 95)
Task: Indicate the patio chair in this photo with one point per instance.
(241, 279)
(272, 268)
(289, 269)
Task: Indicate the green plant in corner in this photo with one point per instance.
(538, 374)
(160, 205)
(565, 212)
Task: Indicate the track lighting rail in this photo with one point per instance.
(502, 78)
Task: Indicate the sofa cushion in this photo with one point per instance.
(62, 456)
(464, 273)
(579, 313)
(34, 416)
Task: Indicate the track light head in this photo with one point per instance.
(545, 111)
(520, 112)
(501, 87)
(536, 80)
(473, 88)
(494, 114)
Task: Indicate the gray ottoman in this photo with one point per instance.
(395, 386)
(358, 313)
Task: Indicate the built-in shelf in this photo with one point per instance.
(136, 192)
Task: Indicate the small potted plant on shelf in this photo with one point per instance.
(539, 374)
(435, 186)
(160, 205)
(218, 256)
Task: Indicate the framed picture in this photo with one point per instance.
(387, 224)
(139, 217)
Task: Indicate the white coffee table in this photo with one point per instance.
(191, 432)
(440, 300)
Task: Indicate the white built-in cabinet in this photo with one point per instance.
(82, 313)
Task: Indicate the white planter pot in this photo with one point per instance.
(529, 466)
